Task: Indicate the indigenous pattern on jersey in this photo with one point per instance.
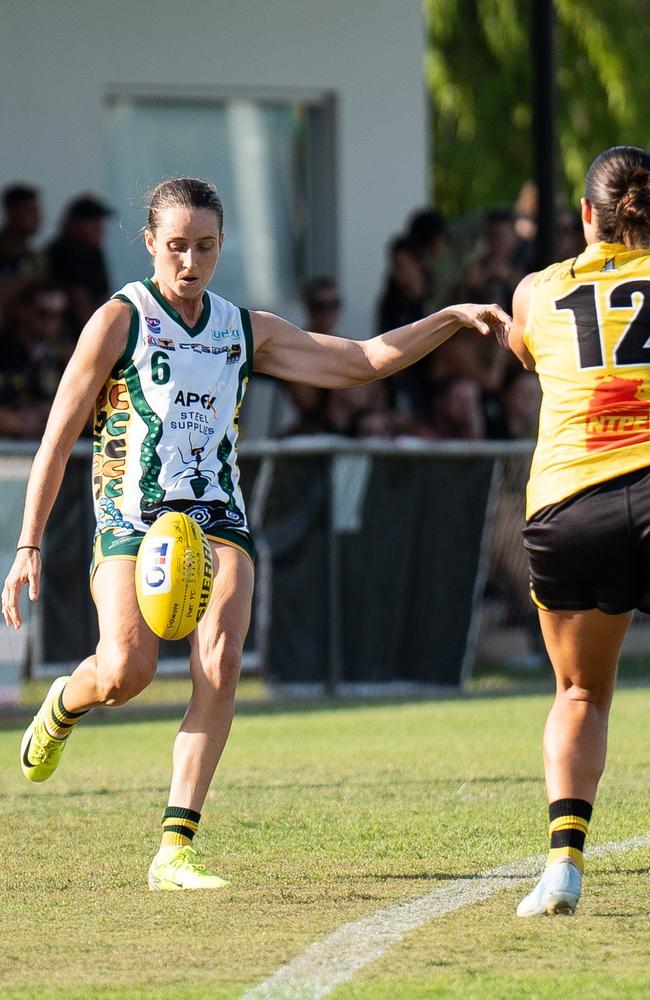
(588, 329)
(166, 421)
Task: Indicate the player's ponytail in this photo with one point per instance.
(618, 186)
(633, 210)
(183, 192)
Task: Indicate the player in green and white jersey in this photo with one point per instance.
(165, 363)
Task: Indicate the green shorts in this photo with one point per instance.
(110, 544)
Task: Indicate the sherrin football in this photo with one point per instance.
(173, 575)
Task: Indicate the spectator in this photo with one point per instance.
(478, 358)
(404, 297)
(492, 275)
(428, 235)
(526, 208)
(570, 235)
(521, 399)
(35, 350)
(373, 423)
(404, 300)
(322, 303)
(456, 410)
(76, 258)
(381, 422)
(19, 263)
(329, 411)
(344, 404)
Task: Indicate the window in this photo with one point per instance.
(272, 162)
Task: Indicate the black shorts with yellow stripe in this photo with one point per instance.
(592, 550)
(116, 544)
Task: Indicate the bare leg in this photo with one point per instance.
(126, 655)
(215, 663)
(584, 648)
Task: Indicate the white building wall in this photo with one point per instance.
(60, 58)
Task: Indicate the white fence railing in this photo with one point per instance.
(502, 625)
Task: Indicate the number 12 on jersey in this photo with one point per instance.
(632, 348)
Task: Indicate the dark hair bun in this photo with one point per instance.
(618, 185)
(634, 206)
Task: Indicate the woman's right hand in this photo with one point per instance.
(486, 318)
(26, 569)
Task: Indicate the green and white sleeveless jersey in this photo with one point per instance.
(166, 421)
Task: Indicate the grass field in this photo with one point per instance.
(319, 816)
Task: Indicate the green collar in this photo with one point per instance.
(199, 326)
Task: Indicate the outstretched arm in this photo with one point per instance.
(100, 346)
(286, 351)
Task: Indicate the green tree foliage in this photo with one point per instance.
(479, 75)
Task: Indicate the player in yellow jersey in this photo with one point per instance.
(584, 326)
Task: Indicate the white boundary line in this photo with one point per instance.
(336, 958)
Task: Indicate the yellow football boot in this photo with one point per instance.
(40, 753)
(177, 868)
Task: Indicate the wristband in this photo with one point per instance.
(36, 547)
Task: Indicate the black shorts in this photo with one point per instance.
(592, 550)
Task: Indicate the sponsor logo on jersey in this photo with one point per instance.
(232, 333)
(232, 351)
(165, 342)
(616, 417)
(153, 323)
(198, 348)
(189, 399)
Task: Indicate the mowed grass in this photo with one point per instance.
(319, 816)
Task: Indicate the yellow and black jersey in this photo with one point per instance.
(588, 329)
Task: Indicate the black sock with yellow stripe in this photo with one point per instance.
(179, 826)
(569, 822)
(59, 722)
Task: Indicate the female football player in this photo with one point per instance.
(584, 326)
(165, 364)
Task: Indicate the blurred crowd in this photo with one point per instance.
(467, 389)
(47, 293)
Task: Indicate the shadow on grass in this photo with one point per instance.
(19, 716)
(299, 786)
(636, 675)
(427, 876)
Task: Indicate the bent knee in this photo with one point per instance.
(121, 676)
(597, 695)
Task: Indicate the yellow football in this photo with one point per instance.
(173, 575)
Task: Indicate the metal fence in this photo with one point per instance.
(390, 562)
